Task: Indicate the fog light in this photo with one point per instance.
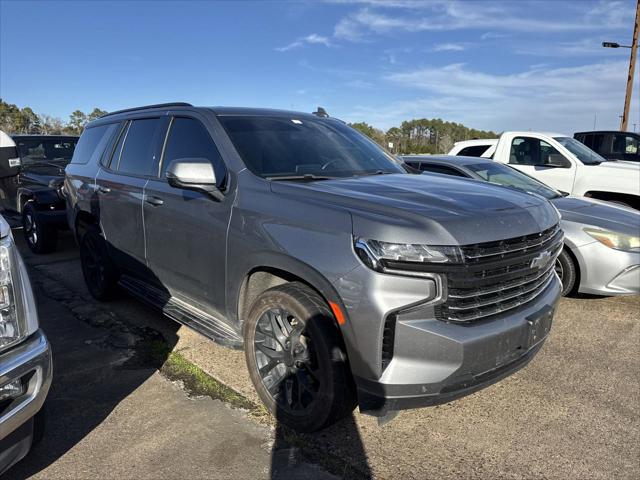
(12, 389)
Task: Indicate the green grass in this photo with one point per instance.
(196, 381)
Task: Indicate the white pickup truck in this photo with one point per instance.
(561, 162)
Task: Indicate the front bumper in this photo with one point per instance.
(434, 362)
(30, 361)
(605, 271)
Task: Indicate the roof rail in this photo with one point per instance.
(148, 107)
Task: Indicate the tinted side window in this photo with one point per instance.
(586, 139)
(531, 151)
(473, 151)
(441, 169)
(624, 144)
(138, 152)
(189, 139)
(92, 143)
(596, 143)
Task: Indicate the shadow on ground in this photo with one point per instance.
(98, 360)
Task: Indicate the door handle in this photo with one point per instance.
(103, 189)
(155, 201)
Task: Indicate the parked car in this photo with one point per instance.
(25, 357)
(31, 179)
(564, 164)
(345, 280)
(613, 145)
(601, 253)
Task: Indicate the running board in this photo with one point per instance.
(194, 318)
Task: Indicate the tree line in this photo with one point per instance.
(421, 135)
(412, 136)
(24, 120)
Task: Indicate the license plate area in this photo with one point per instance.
(538, 326)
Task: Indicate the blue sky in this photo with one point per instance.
(497, 65)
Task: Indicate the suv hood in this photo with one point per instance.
(428, 208)
(595, 213)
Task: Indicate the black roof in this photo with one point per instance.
(219, 111)
(604, 131)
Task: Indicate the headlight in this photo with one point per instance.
(619, 241)
(18, 316)
(403, 257)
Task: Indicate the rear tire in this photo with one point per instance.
(297, 360)
(567, 271)
(99, 271)
(40, 237)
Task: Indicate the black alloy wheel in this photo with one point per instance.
(287, 362)
(297, 359)
(40, 238)
(97, 267)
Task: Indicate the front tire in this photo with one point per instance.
(567, 272)
(296, 358)
(40, 237)
(100, 274)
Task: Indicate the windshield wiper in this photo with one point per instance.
(305, 177)
(377, 172)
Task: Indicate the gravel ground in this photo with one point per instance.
(574, 412)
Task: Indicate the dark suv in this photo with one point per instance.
(345, 280)
(30, 186)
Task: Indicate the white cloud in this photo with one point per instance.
(439, 15)
(311, 39)
(314, 38)
(290, 46)
(493, 35)
(449, 47)
(558, 99)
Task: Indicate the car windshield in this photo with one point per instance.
(580, 150)
(510, 177)
(45, 149)
(305, 148)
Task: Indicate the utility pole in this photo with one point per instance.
(632, 68)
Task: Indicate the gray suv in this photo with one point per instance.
(346, 280)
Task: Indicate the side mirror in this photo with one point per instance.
(556, 160)
(194, 174)
(9, 161)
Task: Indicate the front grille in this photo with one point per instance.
(499, 276)
(495, 276)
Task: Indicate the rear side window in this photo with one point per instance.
(188, 138)
(138, 152)
(425, 167)
(92, 142)
(473, 151)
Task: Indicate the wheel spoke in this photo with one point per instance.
(270, 352)
(277, 330)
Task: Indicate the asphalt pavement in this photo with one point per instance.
(573, 413)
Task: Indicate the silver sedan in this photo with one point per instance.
(602, 240)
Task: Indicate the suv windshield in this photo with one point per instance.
(45, 149)
(580, 150)
(307, 148)
(510, 177)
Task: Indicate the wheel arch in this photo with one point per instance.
(272, 270)
(82, 221)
